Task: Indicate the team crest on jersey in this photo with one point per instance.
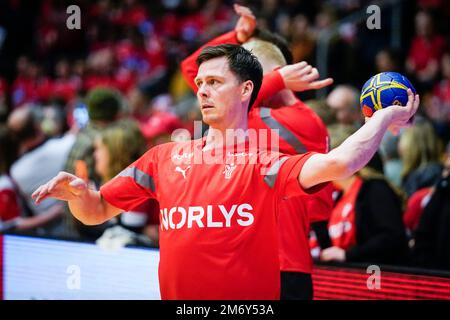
(229, 168)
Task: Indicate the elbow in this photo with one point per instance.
(91, 219)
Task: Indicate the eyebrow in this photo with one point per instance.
(209, 77)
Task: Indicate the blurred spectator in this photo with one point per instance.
(392, 164)
(66, 84)
(40, 160)
(426, 51)
(3, 96)
(420, 152)
(53, 121)
(153, 110)
(9, 199)
(387, 60)
(432, 236)
(103, 106)
(344, 100)
(438, 108)
(324, 112)
(362, 228)
(303, 41)
(414, 208)
(115, 149)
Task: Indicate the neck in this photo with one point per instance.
(222, 136)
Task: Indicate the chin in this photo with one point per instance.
(210, 119)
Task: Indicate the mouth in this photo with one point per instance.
(206, 106)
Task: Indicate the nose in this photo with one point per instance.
(203, 91)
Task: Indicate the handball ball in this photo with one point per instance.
(383, 90)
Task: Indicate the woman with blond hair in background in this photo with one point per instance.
(115, 149)
(420, 151)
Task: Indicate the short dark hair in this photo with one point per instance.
(277, 40)
(103, 103)
(241, 62)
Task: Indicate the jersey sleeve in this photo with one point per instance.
(272, 83)
(189, 66)
(320, 204)
(282, 173)
(135, 184)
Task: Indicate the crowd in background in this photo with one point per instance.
(91, 101)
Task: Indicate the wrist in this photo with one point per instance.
(382, 115)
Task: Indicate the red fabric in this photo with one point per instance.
(3, 87)
(132, 16)
(93, 81)
(423, 51)
(297, 213)
(307, 127)
(9, 207)
(442, 90)
(65, 88)
(9, 203)
(159, 123)
(218, 234)
(414, 208)
(341, 226)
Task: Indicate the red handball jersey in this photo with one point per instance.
(300, 130)
(218, 230)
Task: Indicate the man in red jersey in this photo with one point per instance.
(219, 197)
(299, 130)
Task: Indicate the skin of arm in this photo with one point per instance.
(86, 205)
(355, 152)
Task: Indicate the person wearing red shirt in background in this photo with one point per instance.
(426, 50)
(9, 200)
(219, 195)
(300, 130)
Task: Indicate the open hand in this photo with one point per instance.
(64, 186)
(246, 24)
(301, 77)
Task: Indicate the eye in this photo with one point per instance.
(198, 83)
(212, 82)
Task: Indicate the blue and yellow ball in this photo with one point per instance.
(383, 90)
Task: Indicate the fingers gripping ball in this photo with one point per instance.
(383, 90)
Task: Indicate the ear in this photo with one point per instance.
(247, 89)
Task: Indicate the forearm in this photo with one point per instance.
(352, 155)
(272, 84)
(89, 208)
(356, 151)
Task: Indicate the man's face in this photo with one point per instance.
(341, 102)
(220, 94)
